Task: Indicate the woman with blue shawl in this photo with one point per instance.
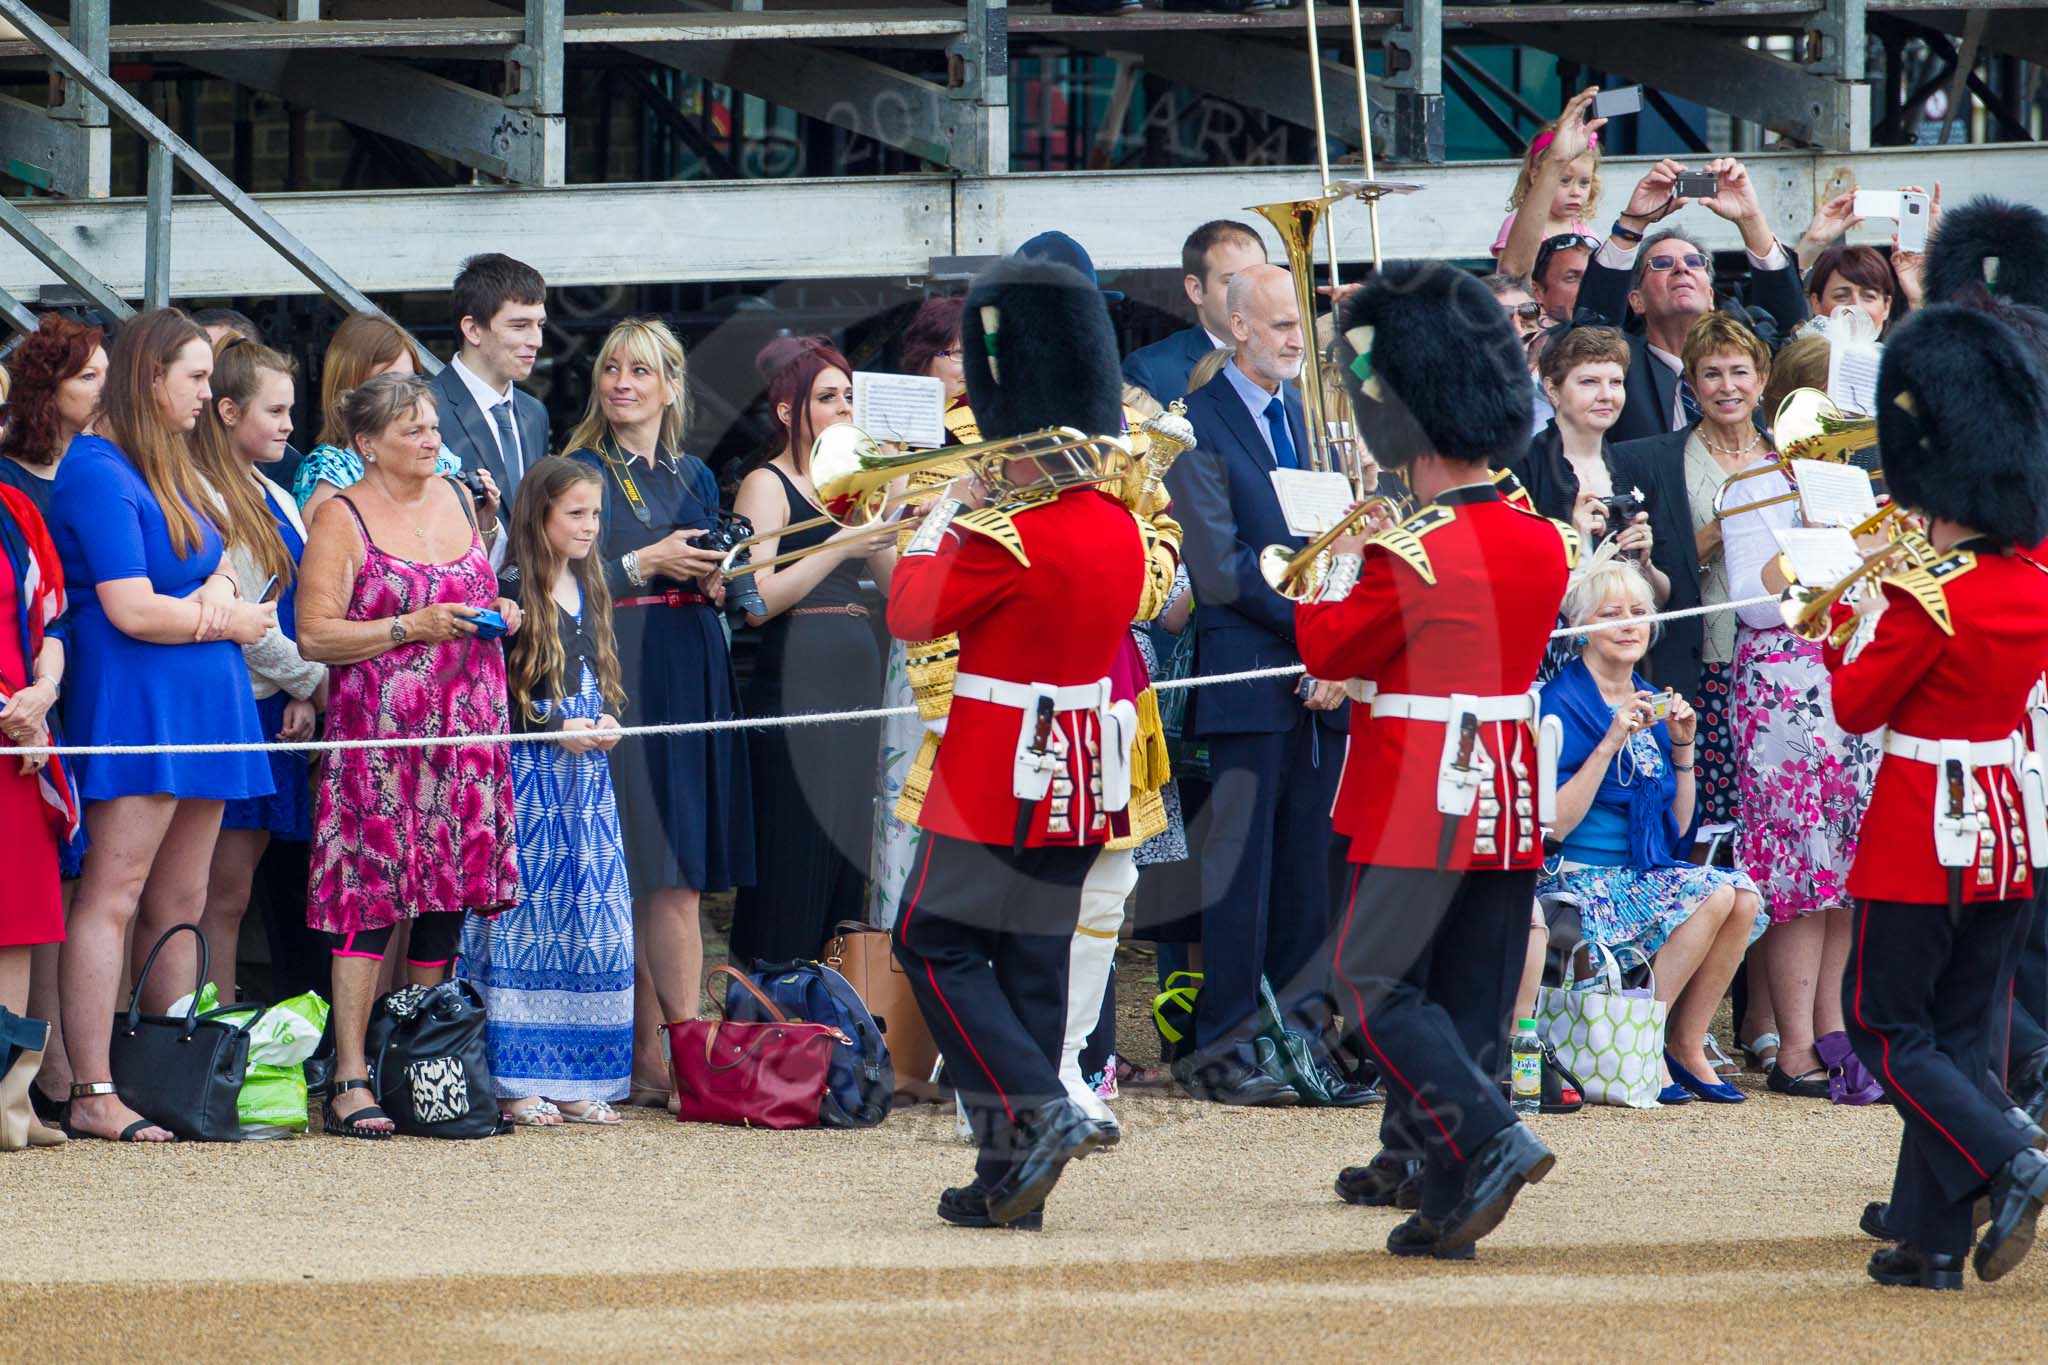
(1626, 810)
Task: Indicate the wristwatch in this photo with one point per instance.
(398, 630)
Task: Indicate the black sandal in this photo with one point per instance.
(1807, 1085)
(352, 1126)
(89, 1089)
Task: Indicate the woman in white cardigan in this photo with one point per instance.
(246, 426)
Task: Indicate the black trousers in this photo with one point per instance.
(985, 937)
(1271, 869)
(2025, 1035)
(1427, 965)
(1922, 994)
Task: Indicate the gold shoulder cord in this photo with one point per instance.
(1928, 585)
(1404, 542)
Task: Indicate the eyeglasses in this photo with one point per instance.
(950, 353)
(1691, 260)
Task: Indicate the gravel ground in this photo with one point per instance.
(1702, 1233)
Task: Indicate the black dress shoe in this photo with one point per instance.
(1812, 1085)
(1419, 1236)
(1511, 1158)
(1226, 1080)
(1377, 1183)
(966, 1206)
(1907, 1265)
(2024, 1124)
(2031, 1092)
(1877, 1219)
(1058, 1133)
(2017, 1193)
(1344, 1093)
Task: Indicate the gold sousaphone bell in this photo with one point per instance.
(1808, 426)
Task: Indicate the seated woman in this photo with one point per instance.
(1626, 808)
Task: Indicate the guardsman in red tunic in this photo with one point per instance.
(1956, 828)
(1035, 772)
(1448, 614)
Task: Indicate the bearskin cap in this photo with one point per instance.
(1039, 351)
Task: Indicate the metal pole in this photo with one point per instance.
(1372, 202)
(156, 247)
(18, 316)
(45, 249)
(1315, 80)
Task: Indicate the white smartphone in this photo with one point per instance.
(1878, 203)
(1620, 101)
(1913, 221)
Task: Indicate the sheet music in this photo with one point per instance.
(1312, 502)
(1820, 555)
(1852, 377)
(905, 409)
(1833, 494)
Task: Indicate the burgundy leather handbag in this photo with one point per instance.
(768, 1075)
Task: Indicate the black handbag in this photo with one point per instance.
(429, 1065)
(184, 1074)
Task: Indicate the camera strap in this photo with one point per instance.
(622, 471)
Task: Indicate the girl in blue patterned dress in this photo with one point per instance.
(556, 970)
(1626, 811)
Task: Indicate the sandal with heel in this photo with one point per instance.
(353, 1126)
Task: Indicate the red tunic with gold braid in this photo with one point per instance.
(1954, 657)
(1459, 599)
(1061, 621)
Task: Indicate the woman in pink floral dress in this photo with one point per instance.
(395, 572)
(1801, 783)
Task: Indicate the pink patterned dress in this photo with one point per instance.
(399, 833)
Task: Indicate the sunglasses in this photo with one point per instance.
(1528, 312)
(1565, 241)
(1691, 260)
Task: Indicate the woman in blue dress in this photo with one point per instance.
(556, 970)
(685, 801)
(154, 628)
(247, 425)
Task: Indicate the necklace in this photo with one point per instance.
(1724, 450)
(415, 507)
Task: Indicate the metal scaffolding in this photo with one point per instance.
(476, 90)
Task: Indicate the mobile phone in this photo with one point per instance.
(1878, 203)
(1913, 217)
(1622, 100)
(489, 625)
(1696, 185)
(264, 596)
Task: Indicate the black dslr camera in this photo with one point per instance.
(729, 530)
(1622, 509)
(473, 480)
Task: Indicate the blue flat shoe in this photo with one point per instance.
(1674, 1094)
(1716, 1092)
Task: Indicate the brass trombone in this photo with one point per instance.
(852, 474)
(1808, 426)
(1806, 610)
(1294, 574)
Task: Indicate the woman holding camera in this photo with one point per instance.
(685, 803)
(814, 800)
(1627, 804)
(391, 589)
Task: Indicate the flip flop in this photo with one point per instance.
(128, 1134)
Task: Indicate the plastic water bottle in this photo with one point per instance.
(1525, 1067)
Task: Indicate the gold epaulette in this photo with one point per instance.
(1927, 584)
(1571, 541)
(1512, 490)
(999, 523)
(1404, 542)
(960, 422)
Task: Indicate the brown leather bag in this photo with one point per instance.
(860, 953)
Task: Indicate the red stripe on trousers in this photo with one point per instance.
(1885, 1049)
(903, 937)
(1350, 909)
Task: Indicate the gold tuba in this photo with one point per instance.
(1330, 447)
(1294, 574)
(1808, 426)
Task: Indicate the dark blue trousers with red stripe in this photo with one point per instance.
(1923, 994)
(985, 937)
(1427, 965)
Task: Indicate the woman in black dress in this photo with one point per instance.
(685, 805)
(814, 786)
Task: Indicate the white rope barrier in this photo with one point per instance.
(698, 727)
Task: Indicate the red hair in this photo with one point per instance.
(791, 366)
(56, 350)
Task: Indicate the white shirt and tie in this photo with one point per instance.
(500, 417)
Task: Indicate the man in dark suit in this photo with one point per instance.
(1668, 282)
(1269, 860)
(500, 307)
(1211, 256)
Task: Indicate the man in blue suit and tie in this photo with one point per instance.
(1269, 861)
(500, 307)
(1209, 259)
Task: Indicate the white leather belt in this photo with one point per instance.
(1037, 755)
(1957, 834)
(1464, 765)
(1991, 753)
